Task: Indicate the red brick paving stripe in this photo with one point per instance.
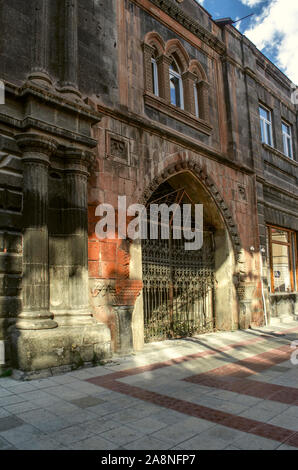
(262, 361)
(175, 361)
(232, 378)
(240, 423)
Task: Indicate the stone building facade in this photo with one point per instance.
(146, 99)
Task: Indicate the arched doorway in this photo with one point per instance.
(187, 292)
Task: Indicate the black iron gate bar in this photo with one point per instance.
(178, 284)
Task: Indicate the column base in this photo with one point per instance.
(70, 92)
(41, 78)
(124, 328)
(46, 324)
(38, 350)
(77, 317)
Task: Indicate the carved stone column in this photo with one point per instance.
(163, 64)
(203, 88)
(189, 79)
(148, 54)
(75, 288)
(36, 153)
(70, 48)
(40, 46)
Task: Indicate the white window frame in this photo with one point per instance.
(155, 76)
(264, 123)
(287, 140)
(196, 95)
(178, 76)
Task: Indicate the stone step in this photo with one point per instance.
(283, 319)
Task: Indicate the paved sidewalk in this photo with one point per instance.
(235, 390)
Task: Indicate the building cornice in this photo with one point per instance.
(276, 188)
(177, 14)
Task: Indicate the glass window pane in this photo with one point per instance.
(262, 130)
(285, 128)
(289, 147)
(175, 91)
(268, 134)
(196, 99)
(279, 235)
(281, 268)
(264, 113)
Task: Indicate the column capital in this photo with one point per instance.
(189, 75)
(203, 85)
(76, 159)
(36, 146)
(164, 59)
(147, 48)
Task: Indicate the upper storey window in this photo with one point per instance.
(266, 126)
(287, 140)
(154, 71)
(196, 98)
(176, 86)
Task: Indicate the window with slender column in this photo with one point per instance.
(266, 125)
(287, 139)
(176, 87)
(282, 251)
(196, 98)
(154, 71)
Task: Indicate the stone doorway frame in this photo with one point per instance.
(228, 239)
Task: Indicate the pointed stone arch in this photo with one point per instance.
(197, 68)
(229, 261)
(208, 184)
(174, 48)
(154, 40)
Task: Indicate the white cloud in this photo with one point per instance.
(251, 3)
(276, 28)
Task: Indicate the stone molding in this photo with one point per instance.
(36, 146)
(211, 188)
(189, 23)
(177, 113)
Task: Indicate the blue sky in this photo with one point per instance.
(273, 28)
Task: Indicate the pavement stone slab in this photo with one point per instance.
(10, 422)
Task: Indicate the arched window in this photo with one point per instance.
(196, 98)
(176, 86)
(154, 71)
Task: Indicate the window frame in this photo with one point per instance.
(178, 75)
(263, 122)
(155, 84)
(292, 253)
(196, 99)
(287, 140)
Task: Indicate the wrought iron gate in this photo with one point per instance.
(178, 284)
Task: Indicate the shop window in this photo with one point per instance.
(282, 252)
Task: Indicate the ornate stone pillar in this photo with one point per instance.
(76, 239)
(163, 64)
(148, 54)
(189, 79)
(40, 47)
(203, 88)
(70, 48)
(35, 287)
